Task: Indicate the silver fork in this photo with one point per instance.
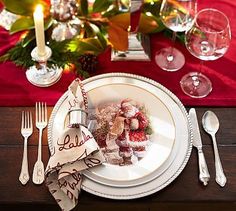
(41, 123)
(26, 131)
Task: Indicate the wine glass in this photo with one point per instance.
(177, 15)
(207, 40)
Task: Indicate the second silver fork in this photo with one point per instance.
(41, 123)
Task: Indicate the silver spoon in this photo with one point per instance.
(211, 125)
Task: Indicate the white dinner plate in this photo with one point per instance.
(170, 142)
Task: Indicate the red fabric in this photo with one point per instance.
(15, 90)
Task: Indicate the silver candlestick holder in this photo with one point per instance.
(40, 74)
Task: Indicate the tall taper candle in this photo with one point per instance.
(39, 30)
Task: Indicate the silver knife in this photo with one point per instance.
(204, 175)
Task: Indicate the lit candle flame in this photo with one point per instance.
(38, 10)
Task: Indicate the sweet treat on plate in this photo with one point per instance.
(122, 131)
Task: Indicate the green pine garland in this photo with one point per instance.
(19, 55)
(61, 56)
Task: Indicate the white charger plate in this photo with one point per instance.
(170, 142)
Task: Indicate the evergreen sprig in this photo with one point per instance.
(60, 53)
(61, 56)
(19, 55)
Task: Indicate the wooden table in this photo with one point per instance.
(185, 192)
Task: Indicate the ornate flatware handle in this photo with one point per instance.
(204, 175)
(220, 176)
(38, 173)
(24, 174)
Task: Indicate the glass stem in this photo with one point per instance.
(196, 80)
(170, 57)
(173, 37)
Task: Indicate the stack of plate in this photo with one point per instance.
(171, 139)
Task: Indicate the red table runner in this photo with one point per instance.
(15, 90)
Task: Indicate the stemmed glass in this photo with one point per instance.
(207, 40)
(177, 15)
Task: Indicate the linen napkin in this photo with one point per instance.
(75, 151)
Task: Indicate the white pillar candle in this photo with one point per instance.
(39, 30)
